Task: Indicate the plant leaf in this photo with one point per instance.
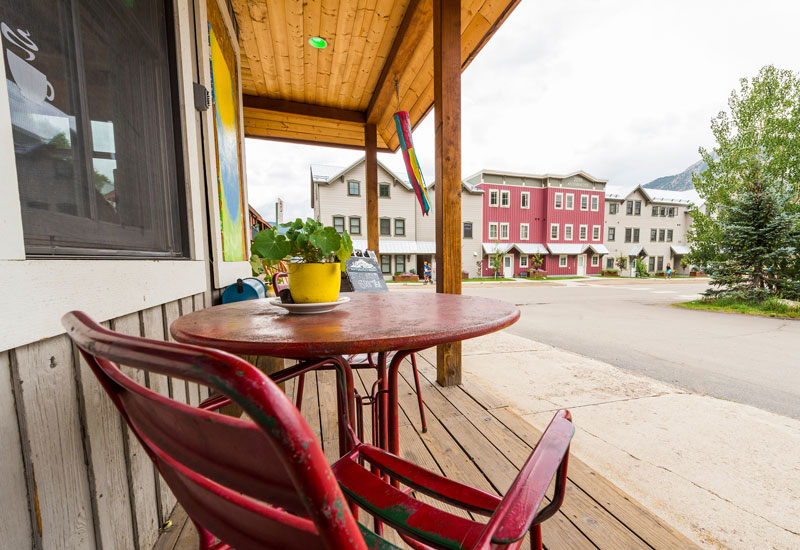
(327, 240)
(345, 249)
(271, 246)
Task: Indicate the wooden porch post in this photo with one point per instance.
(447, 108)
(371, 152)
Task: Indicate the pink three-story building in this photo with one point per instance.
(558, 218)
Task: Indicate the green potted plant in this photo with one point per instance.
(316, 255)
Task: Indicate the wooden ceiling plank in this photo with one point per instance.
(276, 87)
(286, 128)
(261, 121)
(296, 46)
(276, 20)
(283, 106)
(378, 28)
(329, 17)
(469, 9)
(344, 32)
(311, 27)
(500, 10)
(252, 55)
(357, 147)
(355, 56)
(385, 47)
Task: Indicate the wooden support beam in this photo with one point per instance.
(371, 153)
(307, 109)
(447, 123)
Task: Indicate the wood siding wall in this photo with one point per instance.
(72, 475)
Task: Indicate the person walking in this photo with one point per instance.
(669, 271)
(427, 273)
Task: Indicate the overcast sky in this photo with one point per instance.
(623, 89)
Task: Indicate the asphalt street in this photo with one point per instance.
(632, 324)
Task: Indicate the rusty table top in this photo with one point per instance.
(368, 323)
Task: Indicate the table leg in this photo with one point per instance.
(383, 401)
(394, 410)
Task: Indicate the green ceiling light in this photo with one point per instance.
(318, 42)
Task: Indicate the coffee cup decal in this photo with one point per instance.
(21, 39)
(32, 83)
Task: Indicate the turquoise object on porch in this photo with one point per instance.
(244, 289)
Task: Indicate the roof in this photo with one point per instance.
(465, 185)
(680, 249)
(576, 248)
(582, 173)
(387, 246)
(322, 173)
(637, 251)
(597, 248)
(523, 248)
(659, 196)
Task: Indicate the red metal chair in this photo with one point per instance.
(265, 483)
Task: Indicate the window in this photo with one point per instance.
(338, 224)
(570, 201)
(554, 231)
(384, 190)
(660, 265)
(505, 199)
(493, 197)
(653, 233)
(386, 264)
(609, 263)
(637, 208)
(628, 234)
(583, 232)
(386, 226)
(595, 232)
(523, 231)
(636, 235)
(523, 261)
(655, 211)
(354, 188)
(493, 231)
(663, 211)
(503, 231)
(399, 227)
(355, 225)
(652, 263)
(595, 203)
(567, 231)
(584, 202)
(669, 235)
(661, 234)
(559, 201)
(672, 211)
(98, 158)
(629, 208)
(400, 263)
(562, 261)
(467, 230)
(595, 260)
(612, 233)
(613, 208)
(525, 200)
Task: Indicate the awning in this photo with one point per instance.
(637, 251)
(496, 248)
(523, 248)
(680, 249)
(399, 247)
(596, 248)
(566, 248)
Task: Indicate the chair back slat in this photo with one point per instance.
(224, 469)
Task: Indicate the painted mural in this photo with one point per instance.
(226, 134)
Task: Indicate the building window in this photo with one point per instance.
(653, 233)
(338, 224)
(493, 197)
(353, 188)
(503, 231)
(613, 208)
(493, 231)
(384, 190)
(661, 234)
(582, 232)
(386, 264)
(637, 208)
(399, 227)
(595, 203)
(595, 232)
(559, 201)
(629, 208)
(584, 202)
(636, 235)
(628, 234)
(554, 231)
(652, 263)
(562, 261)
(669, 235)
(663, 211)
(660, 265)
(655, 211)
(567, 231)
(92, 112)
(672, 211)
(595, 260)
(386, 226)
(609, 263)
(570, 201)
(505, 199)
(523, 261)
(523, 231)
(400, 263)
(612, 233)
(355, 226)
(525, 200)
(467, 230)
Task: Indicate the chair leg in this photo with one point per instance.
(536, 537)
(301, 381)
(419, 392)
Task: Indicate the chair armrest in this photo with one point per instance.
(214, 402)
(519, 509)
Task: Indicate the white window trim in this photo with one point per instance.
(523, 261)
(594, 203)
(527, 232)
(525, 194)
(569, 201)
(583, 232)
(508, 233)
(555, 201)
(596, 233)
(494, 194)
(552, 225)
(595, 260)
(562, 261)
(568, 234)
(507, 194)
(496, 230)
(587, 203)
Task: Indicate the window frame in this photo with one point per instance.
(596, 233)
(525, 197)
(613, 208)
(388, 221)
(494, 198)
(595, 260)
(505, 194)
(583, 232)
(612, 234)
(670, 235)
(386, 263)
(629, 208)
(527, 232)
(568, 235)
(496, 227)
(558, 201)
(660, 263)
(636, 234)
(403, 232)
(653, 235)
(584, 202)
(344, 221)
(662, 234)
(464, 230)
(637, 208)
(594, 203)
(388, 188)
(358, 184)
(651, 263)
(523, 261)
(552, 226)
(628, 235)
(569, 201)
(563, 260)
(350, 225)
(609, 263)
(402, 259)
(505, 225)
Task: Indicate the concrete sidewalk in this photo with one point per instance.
(726, 475)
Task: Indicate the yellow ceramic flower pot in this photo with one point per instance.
(314, 283)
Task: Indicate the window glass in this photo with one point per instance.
(584, 202)
(609, 263)
(612, 233)
(383, 190)
(636, 235)
(493, 231)
(595, 203)
(582, 233)
(660, 263)
(567, 232)
(559, 200)
(628, 233)
(629, 208)
(596, 233)
(653, 235)
(355, 226)
(467, 230)
(663, 211)
(554, 231)
(669, 235)
(504, 231)
(386, 226)
(338, 223)
(523, 231)
(399, 226)
(637, 208)
(92, 106)
(493, 197)
(523, 261)
(595, 260)
(386, 264)
(353, 188)
(505, 198)
(570, 201)
(525, 200)
(613, 208)
(655, 211)
(652, 264)
(400, 263)
(661, 234)
(562, 261)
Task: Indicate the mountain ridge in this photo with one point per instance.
(678, 182)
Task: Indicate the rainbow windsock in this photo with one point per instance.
(410, 157)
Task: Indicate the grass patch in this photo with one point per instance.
(771, 307)
(486, 279)
(557, 278)
(404, 282)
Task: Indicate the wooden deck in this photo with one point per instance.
(473, 437)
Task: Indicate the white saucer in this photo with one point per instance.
(309, 309)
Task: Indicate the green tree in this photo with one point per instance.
(622, 262)
(496, 261)
(758, 142)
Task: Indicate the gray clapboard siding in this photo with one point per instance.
(141, 472)
(15, 520)
(171, 312)
(104, 439)
(200, 303)
(58, 479)
(187, 306)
